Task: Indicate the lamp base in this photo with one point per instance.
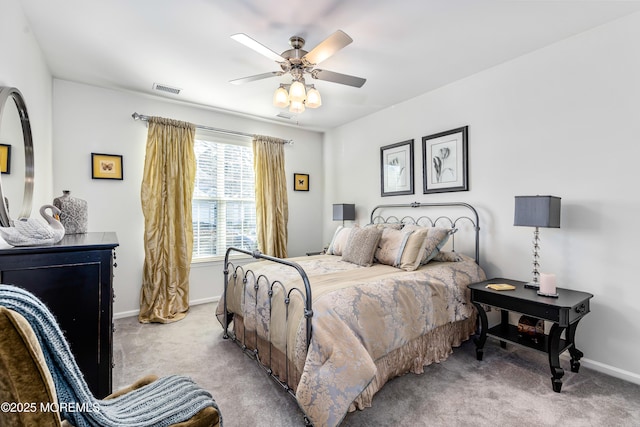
(542, 294)
(532, 285)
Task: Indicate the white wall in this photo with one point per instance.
(89, 119)
(562, 121)
(22, 66)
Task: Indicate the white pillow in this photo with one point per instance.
(339, 240)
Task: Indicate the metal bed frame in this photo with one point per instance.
(306, 295)
(451, 222)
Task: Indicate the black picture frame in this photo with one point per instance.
(301, 182)
(107, 166)
(5, 158)
(396, 169)
(445, 161)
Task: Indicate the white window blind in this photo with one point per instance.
(224, 206)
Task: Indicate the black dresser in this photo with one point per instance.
(74, 278)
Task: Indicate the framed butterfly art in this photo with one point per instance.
(301, 181)
(106, 166)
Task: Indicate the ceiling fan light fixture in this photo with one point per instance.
(297, 92)
(313, 98)
(299, 63)
(281, 97)
(296, 107)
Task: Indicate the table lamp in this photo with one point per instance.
(537, 211)
(344, 212)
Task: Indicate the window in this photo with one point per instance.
(224, 206)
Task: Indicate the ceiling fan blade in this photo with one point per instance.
(256, 77)
(328, 47)
(344, 79)
(258, 47)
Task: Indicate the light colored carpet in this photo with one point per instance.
(509, 387)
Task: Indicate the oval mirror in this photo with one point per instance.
(16, 157)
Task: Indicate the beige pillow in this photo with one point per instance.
(362, 245)
(383, 225)
(402, 248)
(391, 245)
(339, 240)
(414, 250)
(437, 237)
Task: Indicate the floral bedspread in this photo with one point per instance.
(360, 314)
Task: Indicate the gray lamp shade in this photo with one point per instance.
(344, 212)
(537, 211)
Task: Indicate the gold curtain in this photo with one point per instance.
(272, 206)
(167, 190)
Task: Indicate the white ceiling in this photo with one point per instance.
(403, 48)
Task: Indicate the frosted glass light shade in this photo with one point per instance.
(281, 98)
(296, 107)
(297, 92)
(313, 98)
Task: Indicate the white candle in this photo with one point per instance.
(547, 283)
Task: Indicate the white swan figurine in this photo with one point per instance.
(35, 231)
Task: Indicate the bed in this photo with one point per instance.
(384, 299)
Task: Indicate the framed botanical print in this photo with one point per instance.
(396, 168)
(445, 161)
(301, 182)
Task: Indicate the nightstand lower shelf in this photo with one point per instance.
(512, 335)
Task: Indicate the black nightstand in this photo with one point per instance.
(564, 312)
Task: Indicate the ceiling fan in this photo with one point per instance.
(298, 62)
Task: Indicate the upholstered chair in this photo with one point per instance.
(26, 385)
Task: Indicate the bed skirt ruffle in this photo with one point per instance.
(433, 347)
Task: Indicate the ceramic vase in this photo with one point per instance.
(73, 214)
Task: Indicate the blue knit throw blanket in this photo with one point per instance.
(166, 401)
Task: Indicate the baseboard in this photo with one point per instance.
(611, 370)
(132, 313)
(124, 314)
(606, 369)
(204, 300)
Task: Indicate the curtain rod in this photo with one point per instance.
(144, 118)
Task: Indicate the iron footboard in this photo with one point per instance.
(233, 271)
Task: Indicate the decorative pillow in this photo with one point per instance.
(413, 227)
(448, 256)
(414, 250)
(437, 237)
(391, 246)
(362, 245)
(383, 225)
(339, 240)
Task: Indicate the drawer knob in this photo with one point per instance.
(581, 309)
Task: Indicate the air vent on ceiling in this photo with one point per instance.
(166, 88)
(284, 115)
